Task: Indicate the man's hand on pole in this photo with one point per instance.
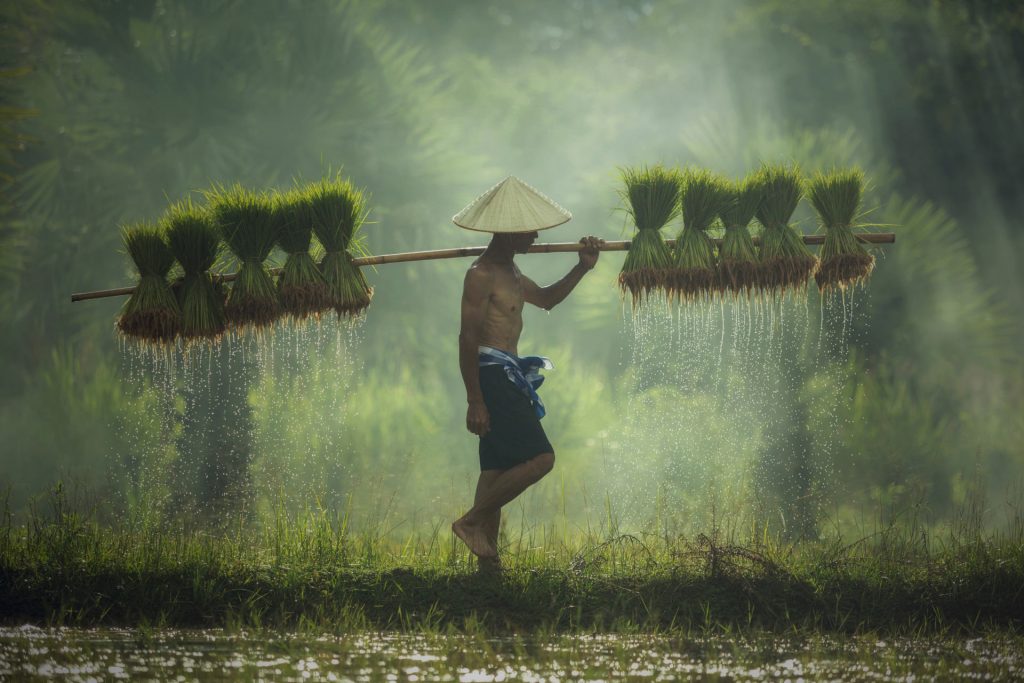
(589, 252)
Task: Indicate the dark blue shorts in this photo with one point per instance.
(516, 435)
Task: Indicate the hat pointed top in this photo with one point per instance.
(511, 206)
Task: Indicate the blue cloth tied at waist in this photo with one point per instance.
(523, 372)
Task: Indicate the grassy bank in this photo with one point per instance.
(310, 570)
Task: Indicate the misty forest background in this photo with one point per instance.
(112, 108)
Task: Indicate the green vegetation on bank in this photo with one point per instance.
(312, 570)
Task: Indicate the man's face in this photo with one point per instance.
(521, 241)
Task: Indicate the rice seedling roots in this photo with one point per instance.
(738, 276)
(355, 307)
(640, 283)
(158, 326)
(692, 284)
(783, 273)
(302, 301)
(844, 270)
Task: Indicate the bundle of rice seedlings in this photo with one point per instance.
(194, 241)
(338, 210)
(737, 257)
(785, 261)
(701, 197)
(246, 224)
(836, 197)
(151, 313)
(301, 285)
(652, 196)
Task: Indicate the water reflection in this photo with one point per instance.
(29, 652)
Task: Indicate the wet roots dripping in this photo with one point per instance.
(157, 326)
(640, 283)
(844, 270)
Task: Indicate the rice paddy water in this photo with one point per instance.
(79, 655)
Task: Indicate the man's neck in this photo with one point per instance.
(499, 251)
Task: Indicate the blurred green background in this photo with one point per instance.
(111, 109)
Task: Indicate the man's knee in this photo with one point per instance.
(544, 463)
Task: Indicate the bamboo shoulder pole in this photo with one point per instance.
(546, 248)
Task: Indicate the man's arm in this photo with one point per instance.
(552, 295)
(476, 292)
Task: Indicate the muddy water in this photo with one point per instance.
(31, 653)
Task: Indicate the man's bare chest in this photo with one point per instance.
(507, 295)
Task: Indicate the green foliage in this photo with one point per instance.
(191, 235)
(644, 269)
(740, 204)
(151, 314)
(137, 102)
(651, 195)
(312, 568)
(836, 196)
(301, 285)
(781, 188)
(339, 210)
(80, 422)
(349, 292)
(701, 198)
(737, 264)
(246, 223)
(785, 261)
(702, 195)
(195, 242)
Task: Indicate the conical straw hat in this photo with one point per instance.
(511, 206)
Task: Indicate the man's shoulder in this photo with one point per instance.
(480, 274)
(481, 270)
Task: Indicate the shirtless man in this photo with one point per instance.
(514, 451)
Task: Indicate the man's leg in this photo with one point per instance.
(493, 523)
(505, 487)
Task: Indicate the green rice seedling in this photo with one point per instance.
(339, 209)
(652, 198)
(301, 285)
(701, 197)
(247, 226)
(737, 257)
(151, 313)
(836, 197)
(194, 241)
(785, 261)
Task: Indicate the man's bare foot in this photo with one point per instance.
(474, 536)
(490, 566)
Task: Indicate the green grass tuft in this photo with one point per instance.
(283, 570)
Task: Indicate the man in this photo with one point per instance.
(504, 409)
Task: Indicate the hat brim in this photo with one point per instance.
(511, 206)
(510, 232)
